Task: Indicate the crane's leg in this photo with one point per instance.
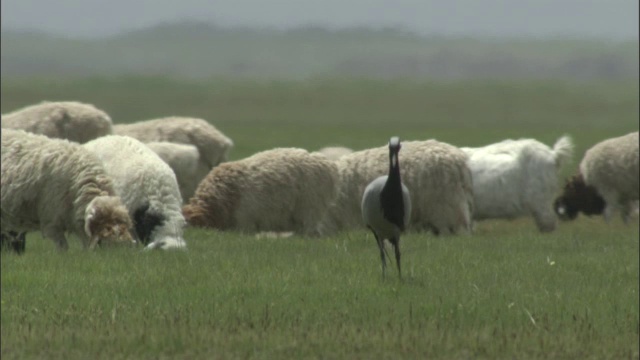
(381, 247)
(396, 246)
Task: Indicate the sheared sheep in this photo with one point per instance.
(69, 120)
(57, 186)
(514, 178)
(284, 189)
(185, 162)
(607, 181)
(436, 174)
(147, 187)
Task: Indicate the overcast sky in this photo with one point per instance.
(609, 19)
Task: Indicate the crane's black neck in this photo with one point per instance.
(391, 196)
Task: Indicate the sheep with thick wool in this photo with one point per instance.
(71, 120)
(57, 186)
(283, 189)
(515, 178)
(185, 162)
(334, 152)
(147, 187)
(435, 173)
(607, 181)
(212, 144)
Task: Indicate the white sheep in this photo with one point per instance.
(435, 173)
(515, 178)
(69, 120)
(147, 187)
(334, 152)
(280, 190)
(608, 181)
(185, 162)
(212, 144)
(57, 186)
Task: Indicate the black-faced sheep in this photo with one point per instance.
(57, 186)
(147, 187)
(515, 178)
(608, 180)
(69, 120)
(277, 190)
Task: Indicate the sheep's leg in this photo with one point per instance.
(608, 213)
(545, 220)
(627, 209)
(57, 236)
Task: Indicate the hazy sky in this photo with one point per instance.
(615, 19)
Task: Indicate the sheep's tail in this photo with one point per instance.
(563, 150)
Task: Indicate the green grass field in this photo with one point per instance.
(504, 292)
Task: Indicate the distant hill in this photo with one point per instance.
(196, 51)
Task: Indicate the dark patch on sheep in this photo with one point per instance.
(13, 241)
(578, 197)
(145, 223)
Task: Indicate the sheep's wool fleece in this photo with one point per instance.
(212, 144)
(140, 177)
(185, 162)
(435, 173)
(335, 152)
(69, 120)
(611, 166)
(48, 182)
(284, 189)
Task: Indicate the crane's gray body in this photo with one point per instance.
(386, 206)
(372, 212)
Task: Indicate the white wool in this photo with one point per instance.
(57, 186)
(435, 173)
(334, 152)
(185, 162)
(140, 177)
(212, 144)
(516, 178)
(611, 166)
(69, 120)
(280, 190)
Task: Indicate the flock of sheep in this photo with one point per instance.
(66, 168)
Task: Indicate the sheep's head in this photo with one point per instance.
(577, 196)
(107, 222)
(146, 223)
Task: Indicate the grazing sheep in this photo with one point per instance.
(13, 241)
(213, 145)
(185, 162)
(516, 178)
(334, 152)
(279, 190)
(607, 181)
(69, 120)
(436, 173)
(57, 186)
(147, 187)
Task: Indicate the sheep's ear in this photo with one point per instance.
(91, 213)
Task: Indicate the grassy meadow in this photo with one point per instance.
(507, 291)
